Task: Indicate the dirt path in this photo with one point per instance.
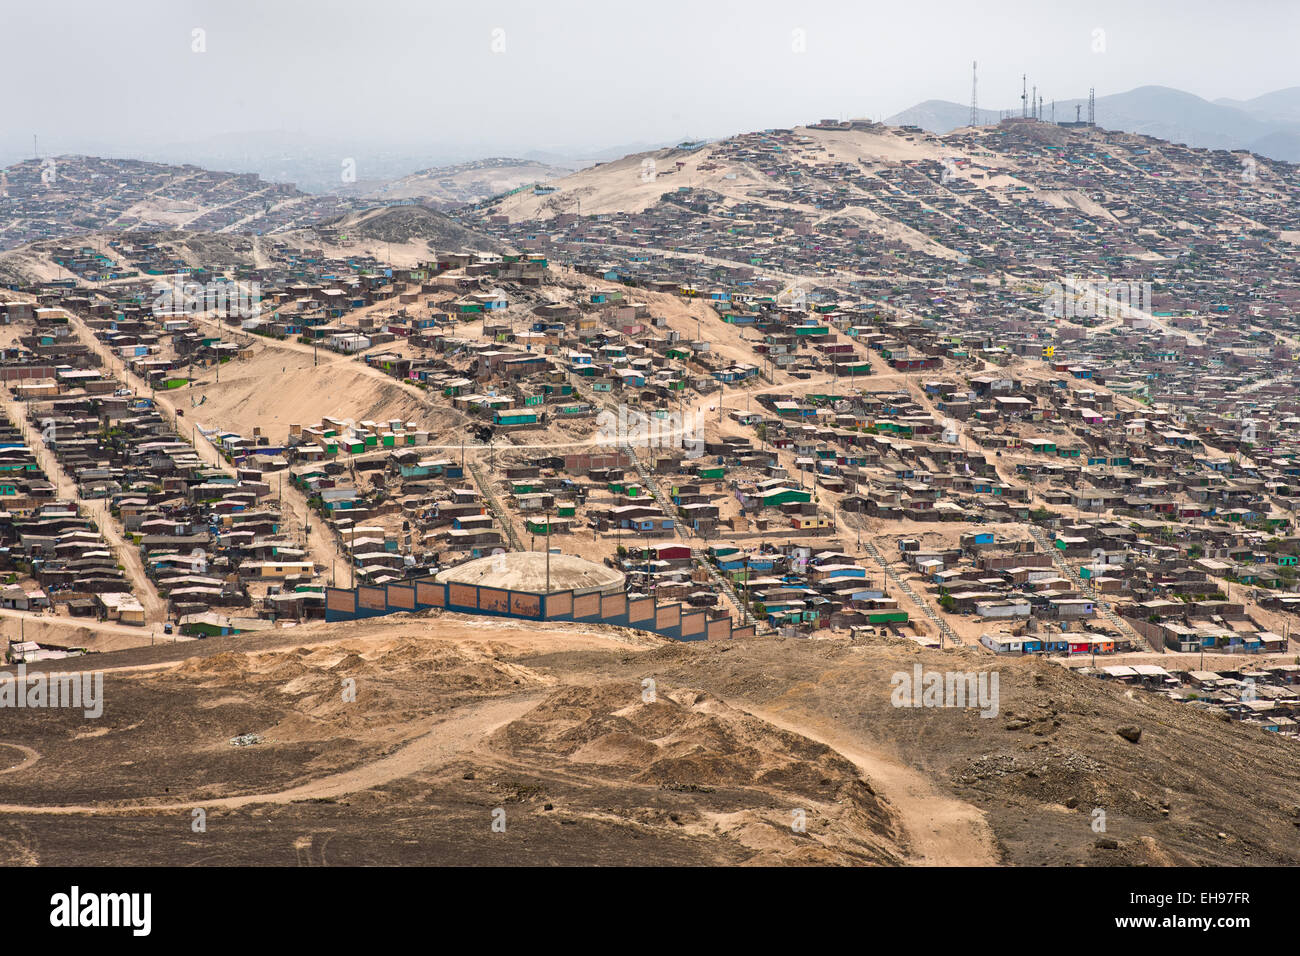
(43, 620)
(30, 757)
(155, 608)
(81, 632)
(941, 830)
(460, 732)
(323, 548)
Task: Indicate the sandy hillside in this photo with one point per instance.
(606, 746)
(625, 185)
(278, 386)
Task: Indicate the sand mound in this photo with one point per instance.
(621, 749)
(224, 664)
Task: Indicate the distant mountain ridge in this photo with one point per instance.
(1268, 125)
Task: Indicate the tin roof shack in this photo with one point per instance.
(122, 607)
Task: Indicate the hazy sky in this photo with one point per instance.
(574, 76)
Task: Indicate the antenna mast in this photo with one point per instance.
(1024, 98)
(1092, 106)
(974, 88)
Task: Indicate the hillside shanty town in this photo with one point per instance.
(941, 451)
(631, 440)
(991, 450)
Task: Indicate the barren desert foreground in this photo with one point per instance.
(475, 741)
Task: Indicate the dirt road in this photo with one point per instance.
(941, 830)
(462, 731)
(80, 632)
(155, 608)
(321, 545)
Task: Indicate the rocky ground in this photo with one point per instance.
(443, 739)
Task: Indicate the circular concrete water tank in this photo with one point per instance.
(526, 571)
